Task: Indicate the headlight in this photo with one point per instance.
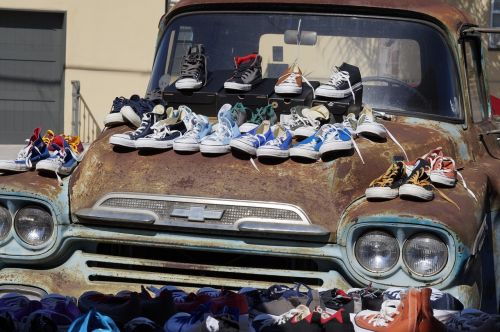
(425, 254)
(34, 225)
(377, 251)
(5, 222)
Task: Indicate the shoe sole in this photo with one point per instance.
(288, 89)
(13, 168)
(443, 180)
(186, 147)
(335, 146)
(237, 86)
(332, 93)
(411, 190)
(188, 86)
(381, 193)
(150, 144)
(270, 153)
(248, 149)
(122, 142)
(130, 115)
(369, 129)
(313, 155)
(114, 119)
(214, 149)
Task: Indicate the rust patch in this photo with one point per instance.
(31, 183)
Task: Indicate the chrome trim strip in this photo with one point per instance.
(116, 215)
(282, 228)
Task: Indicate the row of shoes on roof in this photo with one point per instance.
(417, 179)
(344, 80)
(50, 153)
(279, 308)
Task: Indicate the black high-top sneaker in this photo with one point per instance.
(387, 185)
(247, 73)
(194, 69)
(129, 138)
(344, 80)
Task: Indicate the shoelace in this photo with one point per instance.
(260, 114)
(26, 152)
(336, 133)
(239, 108)
(301, 121)
(243, 70)
(144, 123)
(386, 315)
(387, 178)
(348, 122)
(434, 158)
(163, 131)
(337, 77)
(191, 66)
(415, 179)
(301, 312)
(196, 127)
(292, 79)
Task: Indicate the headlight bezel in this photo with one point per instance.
(374, 271)
(19, 238)
(8, 234)
(422, 234)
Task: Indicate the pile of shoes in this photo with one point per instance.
(279, 308)
(48, 154)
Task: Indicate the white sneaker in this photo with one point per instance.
(198, 128)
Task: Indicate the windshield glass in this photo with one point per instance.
(406, 66)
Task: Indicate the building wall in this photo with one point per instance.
(109, 47)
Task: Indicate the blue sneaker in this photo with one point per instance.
(227, 129)
(473, 320)
(63, 158)
(115, 117)
(250, 141)
(339, 139)
(198, 128)
(188, 322)
(93, 321)
(278, 146)
(309, 148)
(137, 107)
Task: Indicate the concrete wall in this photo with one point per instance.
(109, 47)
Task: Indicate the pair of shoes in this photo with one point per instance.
(412, 313)
(264, 141)
(131, 110)
(193, 69)
(303, 121)
(344, 81)
(290, 81)
(247, 73)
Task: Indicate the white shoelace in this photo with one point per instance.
(337, 77)
(292, 79)
(336, 134)
(434, 159)
(163, 131)
(386, 314)
(25, 154)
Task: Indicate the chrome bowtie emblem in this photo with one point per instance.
(197, 213)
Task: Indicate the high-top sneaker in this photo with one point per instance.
(129, 138)
(247, 73)
(426, 320)
(33, 152)
(136, 107)
(387, 185)
(344, 80)
(194, 69)
(418, 184)
(63, 156)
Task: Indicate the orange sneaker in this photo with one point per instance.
(426, 321)
(290, 82)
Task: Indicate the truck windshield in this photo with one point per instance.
(406, 66)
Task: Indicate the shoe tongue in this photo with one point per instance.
(36, 134)
(245, 60)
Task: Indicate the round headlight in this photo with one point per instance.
(34, 225)
(377, 251)
(425, 254)
(5, 222)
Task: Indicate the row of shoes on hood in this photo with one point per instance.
(48, 154)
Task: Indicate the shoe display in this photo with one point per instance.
(199, 128)
(418, 184)
(247, 73)
(193, 69)
(136, 107)
(257, 116)
(303, 121)
(278, 146)
(129, 138)
(290, 81)
(309, 148)
(166, 131)
(343, 81)
(31, 154)
(227, 129)
(115, 117)
(387, 185)
(250, 141)
(65, 154)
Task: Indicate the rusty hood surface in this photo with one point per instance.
(324, 190)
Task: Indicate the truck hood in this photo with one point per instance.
(323, 190)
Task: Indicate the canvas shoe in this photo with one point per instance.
(31, 154)
(193, 69)
(473, 320)
(304, 121)
(278, 146)
(343, 81)
(335, 321)
(299, 319)
(250, 141)
(309, 148)
(247, 73)
(417, 184)
(227, 129)
(387, 185)
(166, 131)
(192, 321)
(115, 117)
(19, 306)
(290, 82)
(351, 123)
(129, 138)
(141, 324)
(136, 107)
(199, 129)
(94, 321)
(63, 157)
(257, 116)
(339, 139)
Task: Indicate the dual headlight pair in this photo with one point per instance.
(424, 254)
(33, 225)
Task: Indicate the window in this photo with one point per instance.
(494, 38)
(475, 79)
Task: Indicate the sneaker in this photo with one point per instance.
(250, 141)
(278, 146)
(336, 321)
(257, 116)
(63, 157)
(339, 139)
(303, 121)
(221, 323)
(62, 304)
(387, 185)
(178, 295)
(120, 308)
(194, 69)
(19, 306)
(426, 320)
(93, 321)
(394, 316)
(166, 131)
(337, 299)
(344, 80)
(299, 319)
(115, 117)
(199, 129)
(141, 324)
(188, 322)
(46, 321)
(473, 320)
(136, 107)
(290, 82)
(31, 154)
(227, 129)
(309, 148)
(367, 298)
(351, 123)
(129, 138)
(247, 73)
(418, 184)
(239, 112)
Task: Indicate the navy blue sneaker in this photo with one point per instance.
(115, 117)
(93, 321)
(136, 107)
